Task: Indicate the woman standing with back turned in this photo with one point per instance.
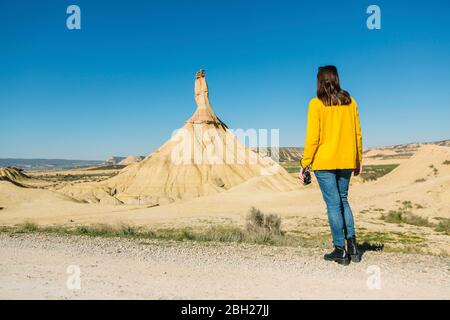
(333, 150)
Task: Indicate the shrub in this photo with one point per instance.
(255, 219)
(403, 216)
(393, 217)
(128, 230)
(407, 205)
(273, 223)
(261, 228)
(96, 230)
(27, 227)
(415, 220)
(443, 226)
(258, 222)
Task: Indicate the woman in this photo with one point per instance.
(333, 149)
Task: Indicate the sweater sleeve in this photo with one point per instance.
(358, 135)
(312, 134)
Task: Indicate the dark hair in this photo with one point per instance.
(329, 89)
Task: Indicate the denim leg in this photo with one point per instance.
(330, 192)
(343, 181)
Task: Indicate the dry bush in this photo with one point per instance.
(405, 217)
(258, 222)
(443, 226)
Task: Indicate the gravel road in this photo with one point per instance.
(37, 266)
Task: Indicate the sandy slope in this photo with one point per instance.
(12, 174)
(423, 179)
(15, 197)
(43, 206)
(34, 267)
(305, 204)
(420, 165)
(307, 201)
(18, 177)
(130, 160)
(202, 158)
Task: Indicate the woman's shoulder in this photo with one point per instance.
(315, 102)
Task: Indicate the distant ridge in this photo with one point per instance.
(47, 164)
(286, 154)
(282, 154)
(442, 143)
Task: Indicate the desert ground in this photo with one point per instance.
(405, 212)
(420, 185)
(34, 266)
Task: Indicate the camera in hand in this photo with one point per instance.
(306, 177)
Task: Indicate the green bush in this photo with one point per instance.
(28, 227)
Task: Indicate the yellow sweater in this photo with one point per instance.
(333, 137)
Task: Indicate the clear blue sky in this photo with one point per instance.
(124, 82)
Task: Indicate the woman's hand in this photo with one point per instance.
(300, 175)
(357, 170)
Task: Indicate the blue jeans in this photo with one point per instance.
(334, 186)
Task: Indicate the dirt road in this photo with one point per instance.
(37, 266)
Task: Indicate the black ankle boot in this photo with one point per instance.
(339, 255)
(352, 249)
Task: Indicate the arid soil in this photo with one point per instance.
(35, 266)
(414, 264)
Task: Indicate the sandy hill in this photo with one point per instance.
(443, 143)
(114, 160)
(42, 206)
(91, 193)
(283, 154)
(423, 179)
(18, 190)
(298, 207)
(428, 163)
(13, 195)
(15, 176)
(389, 155)
(397, 153)
(203, 158)
(130, 160)
(377, 155)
